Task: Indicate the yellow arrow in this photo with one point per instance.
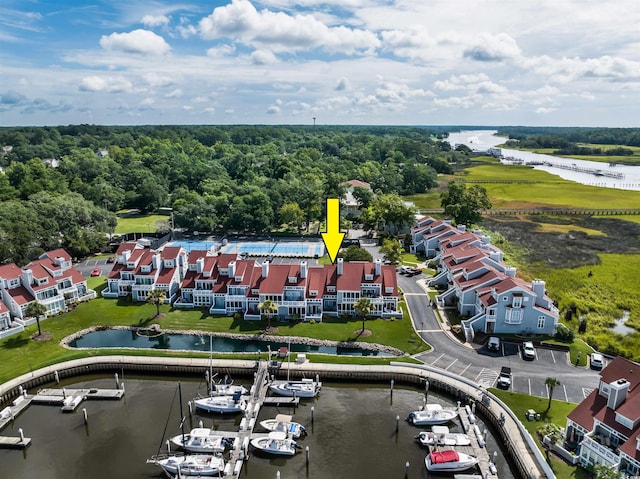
(333, 237)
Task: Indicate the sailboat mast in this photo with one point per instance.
(288, 359)
(210, 365)
(182, 418)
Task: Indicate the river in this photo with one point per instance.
(352, 435)
(481, 140)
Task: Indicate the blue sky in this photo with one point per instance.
(400, 62)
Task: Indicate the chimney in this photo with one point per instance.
(462, 228)
(265, 269)
(199, 265)
(303, 269)
(537, 285)
(27, 276)
(378, 266)
(510, 271)
(617, 393)
(156, 261)
(232, 269)
(496, 256)
(126, 255)
(485, 239)
(339, 266)
(59, 261)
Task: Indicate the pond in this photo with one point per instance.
(125, 338)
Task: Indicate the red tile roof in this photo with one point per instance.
(10, 271)
(21, 295)
(60, 252)
(170, 252)
(359, 183)
(3, 308)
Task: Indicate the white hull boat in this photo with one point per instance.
(433, 414)
(276, 443)
(449, 461)
(304, 388)
(191, 465)
(440, 436)
(222, 404)
(201, 440)
(284, 423)
(226, 388)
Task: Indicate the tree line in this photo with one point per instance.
(249, 179)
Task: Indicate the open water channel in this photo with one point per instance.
(353, 433)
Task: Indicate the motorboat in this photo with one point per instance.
(449, 461)
(276, 443)
(303, 388)
(222, 404)
(284, 423)
(440, 436)
(202, 440)
(227, 388)
(191, 465)
(432, 414)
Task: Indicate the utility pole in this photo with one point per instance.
(314, 123)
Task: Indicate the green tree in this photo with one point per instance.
(268, 308)
(551, 383)
(364, 196)
(363, 307)
(36, 310)
(553, 434)
(391, 250)
(602, 471)
(354, 253)
(157, 296)
(291, 214)
(464, 204)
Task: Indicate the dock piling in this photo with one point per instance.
(21, 434)
(312, 411)
(57, 376)
(306, 452)
(117, 381)
(84, 413)
(406, 470)
(397, 422)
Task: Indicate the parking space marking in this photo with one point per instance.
(486, 377)
(553, 356)
(454, 361)
(529, 379)
(566, 397)
(586, 391)
(465, 369)
(437, 359)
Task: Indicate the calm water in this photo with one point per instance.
(121, 338)
(353, 434)
(482, 139)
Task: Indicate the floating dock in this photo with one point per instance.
(10, 442)
(477, 447)
(70, 399)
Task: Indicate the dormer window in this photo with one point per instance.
(313, 292)
(368, 277)
(292, 280)
(331, 289)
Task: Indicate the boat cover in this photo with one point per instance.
(441, 457)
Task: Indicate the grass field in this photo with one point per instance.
(140, 223)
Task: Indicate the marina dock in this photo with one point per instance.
(477, 447)
(70, 399)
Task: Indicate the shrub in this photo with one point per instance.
(582, 326)
(564, 334)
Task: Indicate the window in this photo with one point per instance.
(517, 302)
(368, 277)
(505, 298)
(541, 322)
(313, 292)
(624, 421)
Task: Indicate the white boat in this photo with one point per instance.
(449, 461)
(222, 404)
(276, 443)
(303, 388)
(193, 465)
(432, 414)
(284, 423)
(440, 436)
(202, 440)
(227, 388)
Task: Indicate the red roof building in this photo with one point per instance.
(605, 427)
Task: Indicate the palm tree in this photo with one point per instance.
(35, 310)
(268, 307)
(551, 383)
(157, 297)
(363, 308)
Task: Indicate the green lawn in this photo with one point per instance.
(140, 223)
(20, 354)
(557, 414)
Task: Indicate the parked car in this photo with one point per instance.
(504, 378)
(414, 271)
(111, 259)
(96, 272)
(493, 344)
(597, 361)
(528, 351)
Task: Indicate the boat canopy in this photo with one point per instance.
(441, 457)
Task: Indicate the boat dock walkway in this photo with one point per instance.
(258, 394)
(70, 399)
(477, 447)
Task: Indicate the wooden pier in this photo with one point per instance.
(70, 399)
(10, 442)
(477, 447)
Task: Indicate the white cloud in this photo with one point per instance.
(177, 93)
(263, 57)
(273, 110)
(155, 20)
(138, 41)
(221, 50)
(147, 101)
(492, 48)
(105, 84)
(283, 32)
(156, 80)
